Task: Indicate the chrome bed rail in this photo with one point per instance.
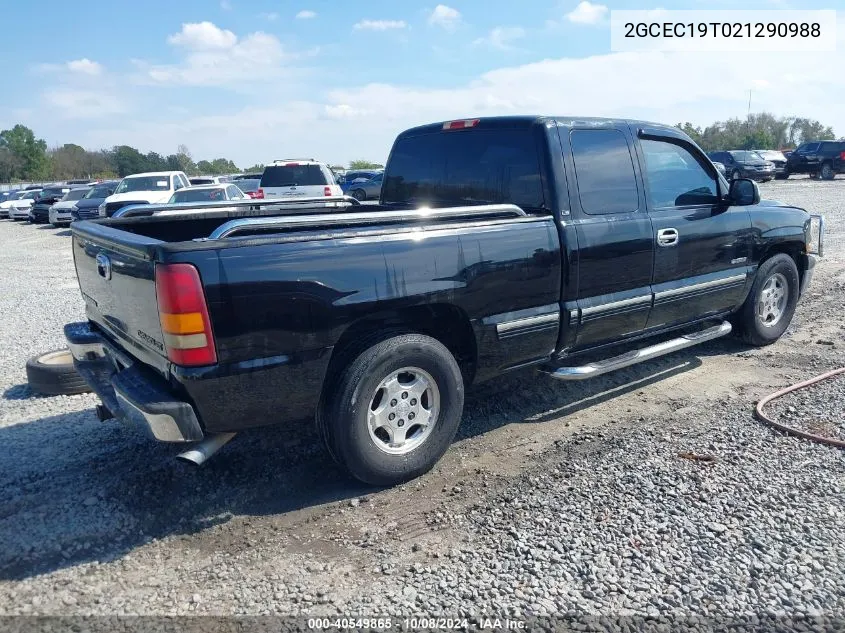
(240, 225)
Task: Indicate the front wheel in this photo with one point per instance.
(736, 174)
(770, 305)
(391, 413)
(359, 194)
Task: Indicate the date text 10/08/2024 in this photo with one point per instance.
(416, 623)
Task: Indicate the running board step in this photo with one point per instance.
(638, 356)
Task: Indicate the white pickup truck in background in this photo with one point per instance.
(147, 188)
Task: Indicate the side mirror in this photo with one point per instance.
(744, 192)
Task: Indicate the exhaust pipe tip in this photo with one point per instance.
(204, 450)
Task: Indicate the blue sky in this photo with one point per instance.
(257, 80)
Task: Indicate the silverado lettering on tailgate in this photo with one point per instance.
(150, 340)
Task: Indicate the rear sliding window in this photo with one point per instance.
(472, 167)
(293, 176)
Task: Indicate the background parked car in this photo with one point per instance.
(822, 158)
(19, 209)
(777, 159)
(366, 189)
(153, 187)
(744, 164)
(39, 212)
(4, 206)
(87, 207)
(206, 180)
(720, 167)
(7, 195)
(207, 193)
(59, 214)
(356, 175)
(249, 186)
(297, 179)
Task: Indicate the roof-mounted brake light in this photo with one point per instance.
(460, 124)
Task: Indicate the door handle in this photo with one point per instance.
(667, 237)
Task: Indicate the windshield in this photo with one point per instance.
(293, 176)
(482, 166)
(74, 194)
(745, 156)
(52, 191)
(30, 195)
(808, 147)
(248, 185)
(197, 195)
(100, 191)
(143, 183)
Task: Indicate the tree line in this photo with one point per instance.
(758, 131)
(23, 157)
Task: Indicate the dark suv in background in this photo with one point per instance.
(744, 164)
(824, 159)
(87, 208)
(40, 210)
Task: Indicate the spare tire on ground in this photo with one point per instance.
(53, 374)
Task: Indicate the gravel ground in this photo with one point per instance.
(649, 490)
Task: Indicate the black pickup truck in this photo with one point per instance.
(575, 246)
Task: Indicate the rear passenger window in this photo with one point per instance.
(675, 177)
(605, 171)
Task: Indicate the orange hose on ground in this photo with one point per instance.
(791, 430)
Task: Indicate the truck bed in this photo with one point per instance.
(282, 290)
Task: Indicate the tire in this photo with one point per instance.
(403, 362)
(782, 176)
(826, 172)
(359, 194)
(736, 174)
(776, 272)
(53, 374)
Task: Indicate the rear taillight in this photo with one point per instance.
(258, 194)
(461, 124)
(184, 316)
(841, 155)
(327, 191)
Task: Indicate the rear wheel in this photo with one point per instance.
(826, 172)
(770, 306)
(392, 412)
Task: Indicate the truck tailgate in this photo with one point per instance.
(116, 272)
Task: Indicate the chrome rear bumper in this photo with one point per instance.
(131, 392)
